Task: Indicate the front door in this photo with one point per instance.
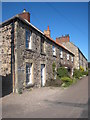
(42, 75)
(28, 73)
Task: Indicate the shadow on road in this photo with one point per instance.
(68, 103)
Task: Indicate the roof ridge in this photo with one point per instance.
(24, 20)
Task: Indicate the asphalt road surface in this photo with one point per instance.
(48, 102)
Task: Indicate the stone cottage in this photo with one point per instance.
(79, 58)
(27, 54)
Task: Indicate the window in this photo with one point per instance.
(54, 51)
(28, 39)
(67, 56)
(72, 59)
(42, 45)
(61, 53)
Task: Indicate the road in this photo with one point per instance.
(48, 102)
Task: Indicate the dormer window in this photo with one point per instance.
(28, 39)
(54, 50)
(61, 53)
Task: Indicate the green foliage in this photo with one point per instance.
(62, 72)
(81, 69)
(66, 84)
(85, 73)
(53, 66)
(77, 73)
(74, 80)
(66, 81)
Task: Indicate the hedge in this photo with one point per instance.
(62, 72)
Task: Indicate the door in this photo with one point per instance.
(42, 75)
(28, 73)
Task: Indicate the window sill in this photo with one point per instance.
(54, 56)
(29, 85)
(42, 53)
(30, 50)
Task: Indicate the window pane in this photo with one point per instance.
(67, 56)
(42, 45)
(28, 39)
(53, 49)
(61, 53)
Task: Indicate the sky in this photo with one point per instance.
(62, 17)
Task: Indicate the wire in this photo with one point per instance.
(65, 18)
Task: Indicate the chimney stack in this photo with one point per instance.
(25, 15)
(62, 39)
(47, 32)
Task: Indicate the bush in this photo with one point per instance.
(62, 72)
(81, 69)
(77, 73)
(66, 81)
(54, 83)
(66, 84)
(53, 66)
(85, 73)
(74, 80)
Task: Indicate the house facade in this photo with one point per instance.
(79, 58)
(27, 54)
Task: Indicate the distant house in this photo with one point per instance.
(79, 58)
(27, 54)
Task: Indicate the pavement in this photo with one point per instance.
(48, 102)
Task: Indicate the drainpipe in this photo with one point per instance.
(12, 58)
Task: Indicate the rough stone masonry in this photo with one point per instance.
(15, 56)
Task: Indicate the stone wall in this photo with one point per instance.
(23, 56)
(5, 50)
(79, 59)
(5, 59)
(74, 49)
(82, 61)
(34, 56)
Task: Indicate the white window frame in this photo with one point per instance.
(68, 56)
(28, 73)
(72, 59)
(61, 53)
(54, 50)
(28, 39)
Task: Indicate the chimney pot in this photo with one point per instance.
(62, 39)
(47, 32)
(48, 28)
(25, 15)
(24, 10)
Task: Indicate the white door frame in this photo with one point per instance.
(42, 75)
